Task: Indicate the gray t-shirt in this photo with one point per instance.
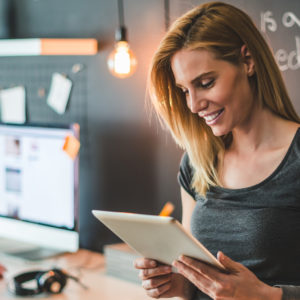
(258, 226)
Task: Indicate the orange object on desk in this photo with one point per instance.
(167, 209)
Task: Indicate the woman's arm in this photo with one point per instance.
(188, 205)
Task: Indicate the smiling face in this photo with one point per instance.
(216, 90)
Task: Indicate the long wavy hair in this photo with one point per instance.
(222, 29)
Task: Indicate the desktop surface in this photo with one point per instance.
(88, 266)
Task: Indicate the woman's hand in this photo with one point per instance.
(160, 282)
(238, 284)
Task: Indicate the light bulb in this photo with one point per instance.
(121, 61)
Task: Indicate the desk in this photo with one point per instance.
(88, 266)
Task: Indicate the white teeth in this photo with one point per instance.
(212, 117)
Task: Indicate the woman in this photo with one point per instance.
(217, 87)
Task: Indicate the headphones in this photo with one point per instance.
(52, 281)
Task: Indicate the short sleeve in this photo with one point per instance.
(290, 292)
(185, 175)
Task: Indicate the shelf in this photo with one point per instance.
(33, 47)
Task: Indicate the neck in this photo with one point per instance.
(257, 133)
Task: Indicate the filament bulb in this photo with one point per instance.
(122, 62)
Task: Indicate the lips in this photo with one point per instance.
(213, 116)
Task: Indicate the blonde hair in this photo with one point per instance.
(222, 29)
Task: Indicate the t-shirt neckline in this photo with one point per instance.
(264, 181)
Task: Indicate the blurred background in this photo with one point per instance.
(127, 163)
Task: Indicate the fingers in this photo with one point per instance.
(210, 280)
(156, 277)
(150, 268)
(228, 263)
(154, 272)
(200, 267)
(159, 291)
(145, 263)
(201, 281)
(155, 282)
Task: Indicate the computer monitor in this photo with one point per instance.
(38, 190)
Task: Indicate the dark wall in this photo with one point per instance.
(126, 162)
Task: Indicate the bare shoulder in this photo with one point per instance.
(292, 128)
(287, 132)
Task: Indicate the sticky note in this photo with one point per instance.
(71, 146)
(59, 93)
(167, 209)
(13, 105)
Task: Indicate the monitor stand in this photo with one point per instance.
(38, 253)
(26, 250)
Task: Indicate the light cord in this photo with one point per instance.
(167, 14)
(121, 13)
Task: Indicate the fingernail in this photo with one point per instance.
(153, 263)
(221, 255)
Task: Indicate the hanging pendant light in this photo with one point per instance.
(121, 61)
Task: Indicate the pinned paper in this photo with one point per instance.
(59, 93)
(71, 146)
(13, 105)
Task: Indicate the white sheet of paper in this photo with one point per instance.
(59, 92)
(13, 105)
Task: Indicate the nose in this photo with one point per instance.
(196, 102)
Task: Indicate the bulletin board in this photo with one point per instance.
(36, 79)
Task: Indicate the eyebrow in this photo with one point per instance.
(199, 77)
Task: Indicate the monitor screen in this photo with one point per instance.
(38, 179)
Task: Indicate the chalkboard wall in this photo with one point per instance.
(126, 162)
(279, 21)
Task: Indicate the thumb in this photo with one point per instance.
(227, 262)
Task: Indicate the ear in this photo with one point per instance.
(247, 60)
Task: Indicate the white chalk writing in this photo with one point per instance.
(289, 19)
(267, 21)
(286, 60)
(289, 61)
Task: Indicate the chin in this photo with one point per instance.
(217, 131)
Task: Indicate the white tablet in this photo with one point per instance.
(161, 238)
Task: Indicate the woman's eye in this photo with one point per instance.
(185, 91)
(207, 84)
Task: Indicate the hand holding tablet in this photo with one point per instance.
(159, 238)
